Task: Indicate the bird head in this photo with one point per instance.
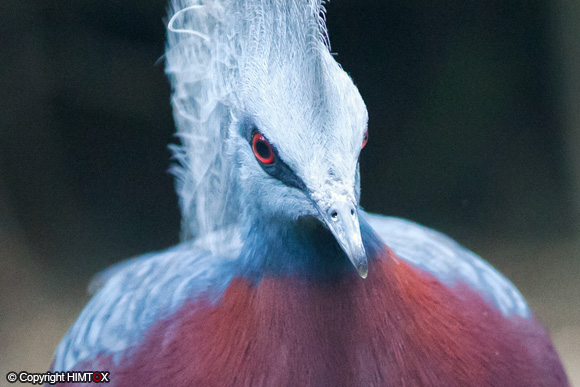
(297, 147)
(296, 123)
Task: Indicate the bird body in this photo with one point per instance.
(266, 287)
(180, 319)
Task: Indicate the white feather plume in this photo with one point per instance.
(213, 48)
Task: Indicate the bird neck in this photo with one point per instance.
(303, 247)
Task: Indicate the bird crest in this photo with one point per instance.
(218, 54)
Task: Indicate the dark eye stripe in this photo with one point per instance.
(272, 163)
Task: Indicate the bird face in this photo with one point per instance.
(298, 144)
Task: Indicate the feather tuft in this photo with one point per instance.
(213, 50)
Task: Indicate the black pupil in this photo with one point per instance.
(263, 149)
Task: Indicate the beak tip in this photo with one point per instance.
(363, 270)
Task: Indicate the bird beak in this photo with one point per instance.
(341, 217)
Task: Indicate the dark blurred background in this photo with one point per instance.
(474, 130)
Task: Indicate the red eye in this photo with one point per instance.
(262, 149)
(365, 139)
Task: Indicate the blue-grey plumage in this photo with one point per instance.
(240, 66)
(267, 172)
(137, 293)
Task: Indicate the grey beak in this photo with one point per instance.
(341, 217)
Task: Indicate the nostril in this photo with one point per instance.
(352, 211)
(334, 215)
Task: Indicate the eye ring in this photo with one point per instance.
(262, 149)
(365, 139)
